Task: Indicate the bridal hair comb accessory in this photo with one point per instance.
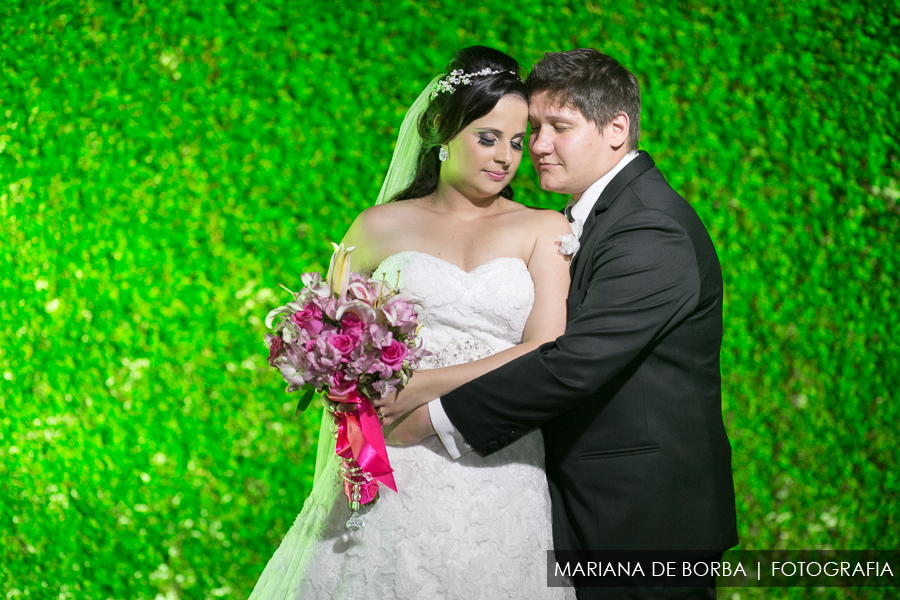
(457, 77)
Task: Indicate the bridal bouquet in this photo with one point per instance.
(351, 338)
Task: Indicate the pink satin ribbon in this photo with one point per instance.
(360, 438)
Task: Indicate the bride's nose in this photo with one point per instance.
(502, 156)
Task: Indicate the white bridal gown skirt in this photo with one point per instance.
(471, 528)
(475, 527)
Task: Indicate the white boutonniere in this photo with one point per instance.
(568, 243)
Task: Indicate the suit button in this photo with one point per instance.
(492, 446)
(503, 441)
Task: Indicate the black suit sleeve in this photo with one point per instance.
(644, 281)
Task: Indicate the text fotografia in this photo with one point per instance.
(736, 568)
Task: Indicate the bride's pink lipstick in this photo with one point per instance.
(496, 175)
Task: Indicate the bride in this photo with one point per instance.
(494, 287)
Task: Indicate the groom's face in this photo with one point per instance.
(569, 152)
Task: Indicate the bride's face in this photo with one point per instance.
(483, 157)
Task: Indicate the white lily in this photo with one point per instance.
(281, 310)
(339, 269)
(288, 309)
(364, 311)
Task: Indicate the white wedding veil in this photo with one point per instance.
(409, 144)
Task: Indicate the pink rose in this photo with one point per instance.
(352, 326)
(342, 343)
(310, 319)
(341, 386)
(393, 355)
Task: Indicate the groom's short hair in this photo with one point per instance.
(594, 83)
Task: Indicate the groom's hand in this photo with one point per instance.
(411, 428)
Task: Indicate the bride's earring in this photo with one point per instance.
(442, 154)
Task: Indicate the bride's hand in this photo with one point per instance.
(414, 395)
(410, 428)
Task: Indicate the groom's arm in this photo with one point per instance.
(645, 281)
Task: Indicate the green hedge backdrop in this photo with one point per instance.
(165, 164)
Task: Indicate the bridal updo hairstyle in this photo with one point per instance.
(449, 113)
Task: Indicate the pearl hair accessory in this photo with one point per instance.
(457, 77)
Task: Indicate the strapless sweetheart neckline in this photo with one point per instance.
(515, 259)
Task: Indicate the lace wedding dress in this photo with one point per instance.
(476, 527)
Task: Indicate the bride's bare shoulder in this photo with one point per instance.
(374, 228)
(542, 221)
(384, 218)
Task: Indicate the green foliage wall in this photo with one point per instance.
(164, 165)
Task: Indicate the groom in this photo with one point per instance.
(629, 398)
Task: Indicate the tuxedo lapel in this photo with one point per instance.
(599, 219)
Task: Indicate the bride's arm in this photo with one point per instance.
(547, 320)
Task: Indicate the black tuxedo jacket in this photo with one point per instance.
(629, 397)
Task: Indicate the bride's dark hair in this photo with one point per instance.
(449, 113)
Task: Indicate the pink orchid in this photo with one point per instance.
(381, 335)
(385, 386)
(380, 369)
(400, 311)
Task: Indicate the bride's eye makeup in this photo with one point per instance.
(486, 141)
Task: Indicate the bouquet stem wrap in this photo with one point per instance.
(360, 440)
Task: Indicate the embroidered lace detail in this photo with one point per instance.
(476, 527)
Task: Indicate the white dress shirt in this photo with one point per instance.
(451, 438)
